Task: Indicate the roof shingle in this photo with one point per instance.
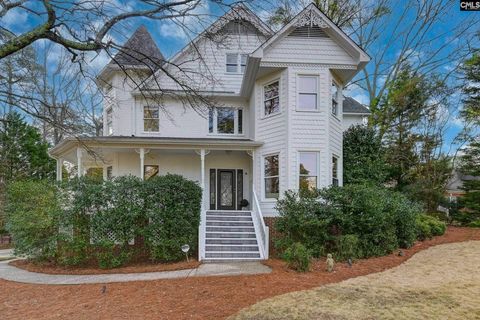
(351, 105)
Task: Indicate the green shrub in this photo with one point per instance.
(298, 257)
(110, 256)
(328, 220)
(347, 246)
(32, 218)
(474, 224)
(73, 252)
(428, 226)
(172, 207)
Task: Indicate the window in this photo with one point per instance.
(307, 92)
(308, 170)
(109, 173)
(150, 171)
(109, 122)
(334, 171)
(334, 99)
(151, 119)
(271, 98)
(225, 121)
(236, 63)
(271, 177)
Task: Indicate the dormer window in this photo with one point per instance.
(151, 120)
(236, 63)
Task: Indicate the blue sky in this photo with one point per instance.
(170, 39)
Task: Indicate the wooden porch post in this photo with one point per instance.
(142, 163)
(79, 162)
(59, 169)
(202, 174)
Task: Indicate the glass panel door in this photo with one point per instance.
(226, 190)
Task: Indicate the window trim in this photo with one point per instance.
(264, 198)
(317, 93)
(334, 156)
(336, 99)
(265, 116)
(109, 124)
(238, 65)
(143, 119)
(317, 152)
(214, 113)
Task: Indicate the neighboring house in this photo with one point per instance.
(279, 127)
(454, 189)
(354, 113)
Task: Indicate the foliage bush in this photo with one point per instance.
(298, 257)
(353, 221)
(32, 218)
(474, 224)
(428, 227)
(85, 220)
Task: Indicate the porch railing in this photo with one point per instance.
(263, 230)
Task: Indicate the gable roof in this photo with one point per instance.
(351, 105)
(312, 16)
(238, 12)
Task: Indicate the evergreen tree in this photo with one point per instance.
(470, 167)
(23, 152)
(471, 90)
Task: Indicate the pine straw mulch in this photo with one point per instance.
(190, 298)
(137, 267)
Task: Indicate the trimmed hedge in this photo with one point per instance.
(85, 219)
(355, 221)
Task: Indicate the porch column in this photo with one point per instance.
(79, 162)
(59, 169)
(202, 166)
(142, 163)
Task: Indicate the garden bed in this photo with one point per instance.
(190, 298)
(137, 267)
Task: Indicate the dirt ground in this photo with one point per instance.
(190, 298)
(441, 282)
(131, 268)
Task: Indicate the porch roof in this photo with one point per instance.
(68, 144)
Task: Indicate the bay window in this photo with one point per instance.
(334, 171)
(308, 93)
(308, 170)
(271, 98)
(334, 99)
(271, 177)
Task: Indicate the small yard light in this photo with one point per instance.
(350, 262)
(185, 249)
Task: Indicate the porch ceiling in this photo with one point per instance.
(68, 146)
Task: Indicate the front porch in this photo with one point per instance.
(223, 168)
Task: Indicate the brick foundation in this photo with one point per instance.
(273, 234)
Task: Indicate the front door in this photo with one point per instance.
(226, 189)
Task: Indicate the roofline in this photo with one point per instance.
(152, 143)
(362, 62)
(357, 113)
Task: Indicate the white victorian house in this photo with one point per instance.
(277, 125)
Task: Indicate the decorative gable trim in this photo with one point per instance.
(310, 19)
(240, 12)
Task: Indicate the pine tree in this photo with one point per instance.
(470, 167)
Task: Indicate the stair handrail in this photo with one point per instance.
(262, 227)
(202, 234)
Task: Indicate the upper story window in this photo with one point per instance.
(236, 63)
(335, 171)
(151, 120)
(334, 99)
(271, 98)
(308, 93)
(308, 170)
(109, 122)
(225, 121)
(271, 177)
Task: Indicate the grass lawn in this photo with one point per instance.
(442, 282)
